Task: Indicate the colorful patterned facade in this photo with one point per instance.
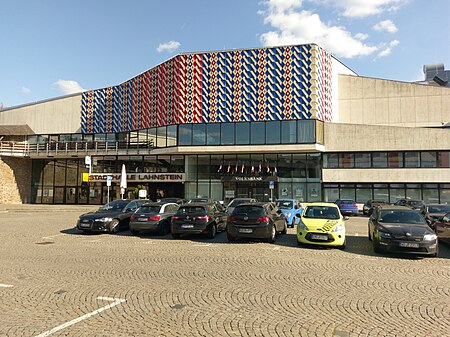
(278, 83)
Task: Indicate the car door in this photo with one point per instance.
(128, 212)
(217, 215)
(443, 227)
(372, 220)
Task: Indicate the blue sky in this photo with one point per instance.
(50, 48)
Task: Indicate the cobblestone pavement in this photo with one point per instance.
(56, 281)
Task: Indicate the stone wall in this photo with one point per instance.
(15, 180)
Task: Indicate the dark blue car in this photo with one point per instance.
(347, 206)
(289, 207)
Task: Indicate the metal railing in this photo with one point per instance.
(73, 148)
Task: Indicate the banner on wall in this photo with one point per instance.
(139, 177)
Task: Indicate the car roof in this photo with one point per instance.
(394, 208)
(258, 203)
(286, 199)
(321, 204)
(195, 204)
(157, 203)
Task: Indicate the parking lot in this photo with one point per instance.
(57, 281)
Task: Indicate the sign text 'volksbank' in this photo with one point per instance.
(139, 177)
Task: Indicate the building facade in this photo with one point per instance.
(289, 122)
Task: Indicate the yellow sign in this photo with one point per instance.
(85, 177)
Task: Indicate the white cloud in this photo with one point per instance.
(25, 90)
(363, 8)
(387, 49)
(361, 36)
(300, 27)
(168, 46)
(68, 86)
(386, 25)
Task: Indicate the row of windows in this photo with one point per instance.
(411, 159)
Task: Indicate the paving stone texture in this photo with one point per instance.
(51, 274)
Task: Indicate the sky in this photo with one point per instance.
(51, 48)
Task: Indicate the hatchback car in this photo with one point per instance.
(256, 220)
(347, 206)
(179, 201)
(321, 224)
(436, 211)
(237, 201)
(290, 208)
(442, 227)
(154, 216)
(198, 218)
(112, 217)
(415, 204)
(400, 229)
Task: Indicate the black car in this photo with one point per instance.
(256, 220)
(153, 216)
(179, 201)
(400, 229)
(198, 218)
(415, 204)
(436, 212)
(442, 228)
(367, 207)
(112, 217)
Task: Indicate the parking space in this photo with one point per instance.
(57, 281)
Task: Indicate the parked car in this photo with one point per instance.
(347, 206)
(179, 201)
(442, 227)
(198, 218)
(415, 204)
(237, 201)
(401, 229)
(436, 211)
(367, 207)
(321, 224)
(290, 207)
(257, 220)
(154, 216)
(112, 217)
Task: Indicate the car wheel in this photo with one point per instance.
(437, 250)
(134, 232)
(273, 234)
(212, 231)
(300, 244)
(376, 247)
(114, 226)
(230, 238)
(284, 231)
(368, 234)
(176, 235)
(343, 245)
(163, 229)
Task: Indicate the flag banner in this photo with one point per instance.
(236, 168)
(228, 169)
(220, 168)
(242, 168)
(260, 168)
(275, 169)
(253, 169)
(268, 168)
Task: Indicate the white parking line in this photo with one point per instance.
(6, 285)
(203, 245)
(116, 301)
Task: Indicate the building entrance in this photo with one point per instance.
(258, 190)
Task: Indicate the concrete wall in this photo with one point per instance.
(365, 100)
(338, 69)
(15, 180)
(61, 115)
(353, 137)
(386, 175)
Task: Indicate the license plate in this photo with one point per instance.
(142, 219)
(187, 226)
(85, 224)
(245, 230)
(319, 237)
(409, 245)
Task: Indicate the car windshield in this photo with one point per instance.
(198, 200)
(416, 203)
(191, 210)
(250, 211)
(407, 217)
(116, 205)
(149, 209)
(439, 209)
(236, 202)
(321, 212)
(285, 204)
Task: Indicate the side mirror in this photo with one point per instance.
(298, 215)
(346, 217)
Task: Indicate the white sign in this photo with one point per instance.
(143, 194)
(87, 160)
(229, 193)
(108, 180)
(271, 185)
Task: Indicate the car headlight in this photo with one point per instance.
(429, 237)
(384, 235)
(302, 226)
(338, 228)
(105, 219)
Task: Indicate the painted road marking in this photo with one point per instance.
(52, 236)
(116, 301)
(6, 285)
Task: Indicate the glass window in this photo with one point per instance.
(331, 194)
(199, 134)
(299, 191)
(213, 134)
(227, 134)
(396, 193)
(414, 193)
(203, 167)
(257, 133)
(152, 137)
(172, 135)
(150, 164)
(162, 136)
(60, 172)
(428, 159)
(242, 133)
(431, 196)
(381, 192)
(412, 159)
(395, 159)
(299, 167)
(314, 192)
(288, 132)
(331, 160)
(444, 159)
(273, 132)
(346, 160)
(347, 192)
(314, 167)
(185, 134)
(363, 194)
(306, 131)
(444, 196)
(379, 159)
(285, 165)
(177, 164)
(362, 159)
